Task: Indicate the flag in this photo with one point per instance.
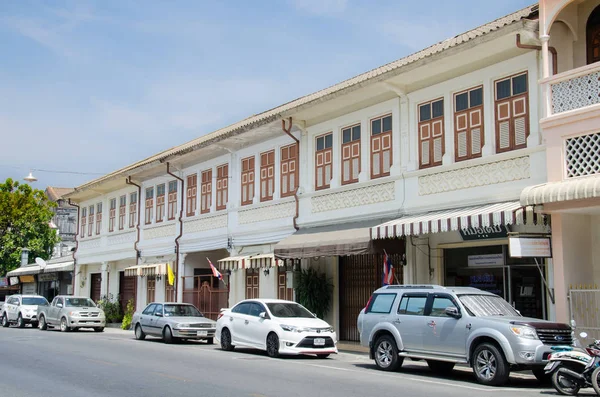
(216, 273)
(388, 270)
(170, 274)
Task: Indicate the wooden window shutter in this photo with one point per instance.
(248, 180)
(323, 161)
(512, 113)
(206, 192)
(468, 124)
(381, 146)
(351, 154)
(191, 195)
(222, 186)
(289, 170)
(267, 175)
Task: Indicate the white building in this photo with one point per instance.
(442, 140)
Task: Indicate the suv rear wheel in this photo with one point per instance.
(386, 354)
(489, 365)
(440, 367)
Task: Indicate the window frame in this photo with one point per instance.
(248, 179)
(267, 175)
(206, 191)
(148, 205)
(351, 145)
(375, 296)
(430, 123)
(122, 211)
(191, 194)
(469, 124)
(323, 159)
(431, 298)
(133, 210)
(112, 214)
(222, 186)
(160, 202)
(288, 167)
(380, 139)
(511, 101)
(99, 218)
(413, 295)
(91, 218)
(83, 225)
(172, 199)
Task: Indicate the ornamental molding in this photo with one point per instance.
(266, 213)
(159, 232)
(90, 244)
(206, 223)
(576, 93)
(121, 238)
(481, 175)
(365, 195)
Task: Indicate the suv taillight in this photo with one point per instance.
(368, 303)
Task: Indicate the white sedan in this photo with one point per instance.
(277, 326)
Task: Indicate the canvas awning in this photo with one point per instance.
(351, 238)
(507, 213)
(60, 267)
(24, 270)
(233, 262)
(263, 260)
(555, 192)
(146, 270)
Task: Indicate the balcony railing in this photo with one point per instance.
(574, 89)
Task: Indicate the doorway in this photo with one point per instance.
(593, 36)
(96, 286)
(127, 290)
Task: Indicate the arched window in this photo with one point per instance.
(593, 36)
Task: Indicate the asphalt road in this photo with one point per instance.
(113, 363)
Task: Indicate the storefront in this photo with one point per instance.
(7, 289)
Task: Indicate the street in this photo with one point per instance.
(85, 363)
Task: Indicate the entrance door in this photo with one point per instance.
(527, 291)
(252, 283)
(96, 286)
(284, 291)
(127, 290)
(593, 36)
(150, 289)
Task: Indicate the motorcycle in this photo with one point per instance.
(572, 368)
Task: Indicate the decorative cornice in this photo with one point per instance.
(266, 213)
(364, 195)
(159, 232)
(121, 238)
(205, 223)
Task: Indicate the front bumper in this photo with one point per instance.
(85, 322)
(308, 343)
(194, 333)
(531, 352)
(29, 317)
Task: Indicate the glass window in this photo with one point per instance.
(412, 305)
(437, 108)
(503, 89)
(425, 112)
(519, 84)
(256, 309)
(356, 133)
(328, 141)
(149, 309)
(158, 310)
(376, 127)
(382, 303)
(35, 301)
(172, 186)
(123, 201)
(160, 190)
(321, 143)
(462, 102)
(387, 123)
(182, 311)
(79, 302)
(149, 192)
(346, 135)
(287, 310)
(476, 97)
(440, 303)
(242, 308)
(488, 305)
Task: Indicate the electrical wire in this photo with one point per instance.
(52, 171)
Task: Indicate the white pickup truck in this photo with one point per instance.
(71, 313)
(22, 309)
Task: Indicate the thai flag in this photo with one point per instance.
(215, 272)
(388, 270)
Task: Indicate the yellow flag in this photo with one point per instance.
(170, 274)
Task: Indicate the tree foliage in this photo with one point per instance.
(314, 291)
(25, 216)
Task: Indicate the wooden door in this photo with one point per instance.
(252, 283)
(150, 289)
(284, 291)
(96, 286)
(127, 290)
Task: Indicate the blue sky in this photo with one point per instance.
(91, 87)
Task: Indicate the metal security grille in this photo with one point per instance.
(584, 304)
(576, 93)
(583, 155)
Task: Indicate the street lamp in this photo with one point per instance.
(30, 178)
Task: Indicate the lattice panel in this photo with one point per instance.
(583, 155)
(576, 93)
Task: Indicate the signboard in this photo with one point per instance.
(485, 232)
(3, 282)
(27, 279)
(29, 289)
(485, 260)
(14, 280)
(530, 247)
(47, 276)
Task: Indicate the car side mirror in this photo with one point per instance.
(158, 314)
(453, 312)
(263, 315)
(59, 305)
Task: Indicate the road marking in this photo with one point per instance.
(257, 395)
(102, 362)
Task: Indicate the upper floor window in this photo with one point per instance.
(593, 36)
(412, 305)
(122, 210)
(83, 221)
(247, 180)
(90, 220)
(112, 214)
(149, 205)
(381, 146)
(289, 170)
(350, 154)
(431, 133)
(160, 202)
(206, 192)
(267, 175)
(172, 200)
(222, 186)
(468, 124)
(512, 113)
(323, 161)
(191, 195)
(98, 218)
(133, 199)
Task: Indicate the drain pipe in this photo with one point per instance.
(288, 131)
(76, 245)
(139, 214)
(180, 228)
(539, 48)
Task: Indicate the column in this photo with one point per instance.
(547, 99)
(105, 268)
(180, 273)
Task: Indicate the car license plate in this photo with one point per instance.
(549, 366)
(319, 342)
(202, 333)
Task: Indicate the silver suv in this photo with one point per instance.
(456, 325)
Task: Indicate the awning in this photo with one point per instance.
(555, 192)
(21, 271)
(351, 238)
(146, 270)
(233, 262)
(263, 260)
(508, 213)
(60, 267)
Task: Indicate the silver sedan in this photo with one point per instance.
(172, 321)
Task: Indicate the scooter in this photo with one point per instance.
(572, 368)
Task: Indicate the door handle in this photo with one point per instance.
(397, 321)
(431, 324)
(245, 321)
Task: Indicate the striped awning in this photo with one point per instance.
(25, 270)
(263, 260)
(555, 192)
(146, 270)
(233, 262)
(508, 213)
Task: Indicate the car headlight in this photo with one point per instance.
(524, 332)
(74, 314)
(178, 326)
(291, 328)
(330, 329)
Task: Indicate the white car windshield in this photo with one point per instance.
(288, 310)
(487, 305)
(182, 311)
(35, 301)
(79, 302)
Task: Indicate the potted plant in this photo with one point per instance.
(314, 291)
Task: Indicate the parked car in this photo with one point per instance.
(456, 325)
(71, 313)
(173, 321)
(276, 326)
(22, 309)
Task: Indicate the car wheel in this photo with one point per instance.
(322, 356)
(63, 325)
(43, 324)
(273, 345)
(542, 376)
(226, 340)
(5, 322)
(168, 335)
(440, 367)
(99, 329)
(20, 322)
(489, 365)
(564, 385)
(139, 334)
(386, 354)
(210, 341)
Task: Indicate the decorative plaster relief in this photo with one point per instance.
(207, 223)
(576, 93)
(267, 213)
(480, 175)
(89, 244)
(360, 196)
(159, 231)
(121, 238)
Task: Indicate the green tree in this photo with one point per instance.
(25, 216)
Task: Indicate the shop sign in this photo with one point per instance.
(28, 289)
(485, 260)
(3, 282)
(47, 276)
(484, 232)
(14, 280)
(530, 247)
(27, 279)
